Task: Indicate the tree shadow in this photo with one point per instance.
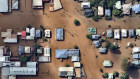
(116, 51)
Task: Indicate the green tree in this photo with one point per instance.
(115, 73)
(89, 36)
(76, 22)
(37, 45)
(105, 75)
(29, 26)
(42, 27)
(116, 12)
(113, 47)
(107, 44)
(67, 65)
(23, 59)
(125, 64)
(75, 47)
(124, 76)
(95, 18)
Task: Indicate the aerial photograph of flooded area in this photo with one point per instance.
(69, 39)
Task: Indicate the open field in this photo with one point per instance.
(74, 35)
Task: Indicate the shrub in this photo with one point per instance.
(29, 26)
(105, 75)
(75, 47)
(37, 45)
(115, 73)
(109, 25)
(67, 65)
(125, 64)
(101, 70)
(102, 40)
(95, 18)
(89, 36)
(76, 22)
(23, 59)
(131, 45)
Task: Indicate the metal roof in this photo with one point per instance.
(38, 33)
(59, 34)
(107, 63)
(108, 12)
(97, 43)
(136, 8)
(109, 33)
(131, 32)
(103, 50)
(95, 37)
(20, 50)
(4, 5)
(136, 62)
(136, 56)
(64, 53)
(92, 30)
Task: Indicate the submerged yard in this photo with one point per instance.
(74, 35)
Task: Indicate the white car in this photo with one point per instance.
(47, 33)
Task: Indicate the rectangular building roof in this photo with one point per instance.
(57, 4)
(109, 33)
(4, 5)
(59, 34)
(37, 3)
(22, 71)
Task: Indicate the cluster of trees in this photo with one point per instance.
(111, 47)
(107, 4)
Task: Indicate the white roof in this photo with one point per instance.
(65, 69)
(3, 5)
(32, 32)
(29, 38)
(14, 4)
(110, 76)
(124, 32)
(44, 59)
(27, 49)
(85, 3)
(22, 71)
(37, 3)
(2, 59)
(117, 34)
(28, 30)
(118, 5)
(126, 8)
(57, 4)
(47, 33)
(12, 77)
(31, 64)
(77, 64)
(47, 51)
(10, 40)
(136, 49)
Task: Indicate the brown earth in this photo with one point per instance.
(74, 35)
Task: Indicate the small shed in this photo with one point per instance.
(100, 11)
(37, 33)
(138, 32)
(85, 5)
(47, 51)
(77, 64)
(117, 34)
(109, 33)
(88, 12)
(107, 12)
(27, 49)
(110, 76)
(20, 50)
(75, 58)
(103, 50)
(97, 43)
(126, 8)
(131, 33)
(96, 37)
(136, 8)
(37, 4)
(92, 30)
(118, 5)
(59, 34)
(124, 33)
(47, 33)
(27, 30)
(107, 63)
